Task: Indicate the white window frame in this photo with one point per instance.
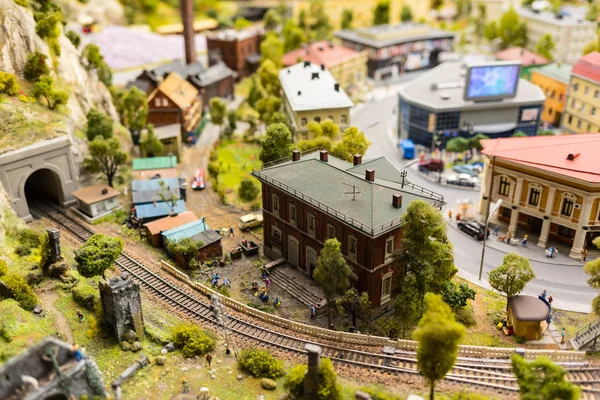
(293, 217)
(310, 217)
(275, 204)
(386, 297)
(352, 240)
(389, 240)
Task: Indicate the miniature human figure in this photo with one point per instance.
(458, 217)
(227, 282)
(79, 315)
(276, 302)
(186, 385)
(450, 215)
(77, 353)
(543, 295)
(313, 311)
(227, 350)
(496, 230)
(550, 252)
(583, 254)
(254, 286)
(524, 242)
(268, 282)
(231, 231)
(563, 334)
(209, 359)
(550, 300)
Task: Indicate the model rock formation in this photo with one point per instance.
(18, 40)
(103, 12)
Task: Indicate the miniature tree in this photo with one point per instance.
(255, 93)
(319, 23)
(44, 88)
(232, 119)
(353, 142)
(276, 144)
(347, 17)
(407, 308)
(98, 124)
(247, 190)
(511, 277)
(293, 36)
(457, 145)
(426, 258)
(93, 59)
(511, 30)
(381, 14)
(242, 23)
(267, 107)
(330, 128)
(475, 141)
(271, 20)
(545, 46)
(269, 78)
(35, 67)
(355, 304)
(332, 274)
(8, 84)
(271, 48)
(106, 157)
(167, 196)
(218, 111)
(74, 38)
(438, 335)
(151, 144)
(20, 290)
(135, 108)
(406, 14)
(47, 24)
(457, 295)
(314, 128)
(542, 380)
(98, 254)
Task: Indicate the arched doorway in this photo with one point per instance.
(58, 396)
(44, 185)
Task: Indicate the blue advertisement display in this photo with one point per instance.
(492, 82)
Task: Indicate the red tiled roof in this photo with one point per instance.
(550, 153)
(526, 57)
(588, 66)
(320, 53)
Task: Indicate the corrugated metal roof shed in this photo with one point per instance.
(207, 237)
(161, 209)
(166, 223)
(148, 191)
(140, 164)
(185, 231)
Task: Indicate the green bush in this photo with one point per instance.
(97, 254)
(294, 381)
(35, 67)
(73, 38)
(466, 316)
(34, 277)
(247, 190)
(22, 3)
(8, 84)
(329, 389)
(22, 250)
(45, 254)
(3, 268)
(29, 238)
(213, 168)
(191, 340)
(260, 364)
(262, 307)
(20, 291)
(86, 295)
(186, 248)
(47, 24)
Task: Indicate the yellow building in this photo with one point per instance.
(310, 93)
(549, 187)
(363, 9)
(528, 316)
(554, 81)
(347, 66)
(582, 110)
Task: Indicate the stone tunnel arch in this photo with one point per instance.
(44, 185)
(58, 396)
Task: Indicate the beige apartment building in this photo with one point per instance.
(570, 33)
(310, 93)
(549, 187)
(582, 107)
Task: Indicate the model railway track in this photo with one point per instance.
(495, 376)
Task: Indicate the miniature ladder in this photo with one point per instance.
(586, 335)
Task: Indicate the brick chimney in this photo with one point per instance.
(357, 159)
(295, 155)
(323, 155)
(336, 87)
(322, 67)
(306, 64)
(370, 175)
(187, 17)
(397, 200)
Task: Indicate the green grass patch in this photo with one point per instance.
(571, 321)
(243, 88)
(236, 160)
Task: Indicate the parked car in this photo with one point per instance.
(198, 180)
(250, 221)
(466, 169)
(462, 180)
(408, 149)
(433, 164)
(473, 228)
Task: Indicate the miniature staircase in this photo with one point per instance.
(586, 335)
(299, 292)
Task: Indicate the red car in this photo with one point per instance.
(198, 181)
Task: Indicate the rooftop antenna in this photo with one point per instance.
(355, 190)
(403, 175)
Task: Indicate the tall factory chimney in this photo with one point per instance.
(187, 17)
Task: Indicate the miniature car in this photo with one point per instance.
(466, 169)
(462, 180)
(433, 164)
(198, 180)
(250, 221)
(473, 228)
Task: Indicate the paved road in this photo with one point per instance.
(565, 280)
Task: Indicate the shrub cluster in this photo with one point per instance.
(466, 316)
(185, 248)
(191, 340)
(28, 240)
(247, 190)
(8, 84)
(329, 389)
(35, 67)
(260, 364)
(3, 268)
(20, 291)
(86, 295)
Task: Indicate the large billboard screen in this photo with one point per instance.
(492, 81)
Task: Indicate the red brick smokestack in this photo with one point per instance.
(187, 17)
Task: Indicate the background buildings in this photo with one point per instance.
(583, 98)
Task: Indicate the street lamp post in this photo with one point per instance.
(485, 234)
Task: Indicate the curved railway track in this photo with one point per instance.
(496, 376)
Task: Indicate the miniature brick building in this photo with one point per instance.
(122, 306)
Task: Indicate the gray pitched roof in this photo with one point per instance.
(207, 237)
(179, 67)
(385, 169)
(327, 187)
(214, 74)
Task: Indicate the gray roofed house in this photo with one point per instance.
(213, 74)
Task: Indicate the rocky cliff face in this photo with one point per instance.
(104, 12)
(18, 40)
